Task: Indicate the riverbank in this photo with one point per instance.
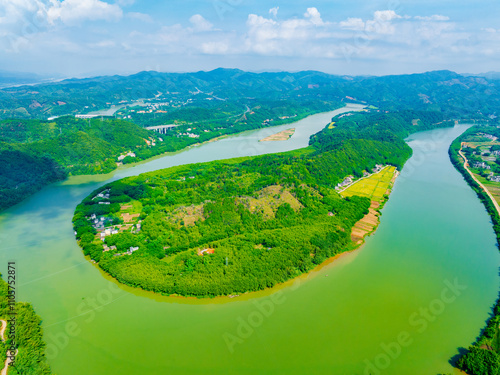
(9, 359)
(482, 357)
(492, 199)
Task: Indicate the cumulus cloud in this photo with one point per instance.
(381, 23)
(199, 23)
(74, 11)
(314, 16)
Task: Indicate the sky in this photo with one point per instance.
(81, 38)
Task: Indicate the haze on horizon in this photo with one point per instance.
(80, 38)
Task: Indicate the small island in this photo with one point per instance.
(284, 135)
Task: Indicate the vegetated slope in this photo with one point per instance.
(22, 174)
(234, 226)
(30, 358)
(449, 92)
(36, 153)
(483, 356)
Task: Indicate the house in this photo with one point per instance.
(132, 249)
(494, 178)
(207, 251)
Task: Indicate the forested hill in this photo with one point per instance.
(387, 127)
(454, 94)
(35, 153)
(229, 227)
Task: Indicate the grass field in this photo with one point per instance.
(373, 187)
(493, 187)
(481, 144)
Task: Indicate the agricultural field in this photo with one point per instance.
(374, 186)
(493, 187)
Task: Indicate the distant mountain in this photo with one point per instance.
(488, 75)
(445, 91)
(9, 79)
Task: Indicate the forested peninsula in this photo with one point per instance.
(240, 225)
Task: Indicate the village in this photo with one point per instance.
(483, 151)
(109, 225)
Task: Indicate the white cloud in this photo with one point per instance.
(435, 17)
(74, 11)
(314, 16)
(381, 23)
(199, 23)
(274, 11)
(385, 15)
(353, 24)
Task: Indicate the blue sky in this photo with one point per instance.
(92, 37)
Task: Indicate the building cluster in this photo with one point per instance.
(489, 136)
(493, 178)
(347, 181)
(481, 165)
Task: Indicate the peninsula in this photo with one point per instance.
(235, 226)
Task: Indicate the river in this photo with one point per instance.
(416, 292)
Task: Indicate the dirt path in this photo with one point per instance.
(8, 360)
(2, 330)
(466, 163)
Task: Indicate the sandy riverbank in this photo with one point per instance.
(284, 135)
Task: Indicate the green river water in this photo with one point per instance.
(404, 303)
